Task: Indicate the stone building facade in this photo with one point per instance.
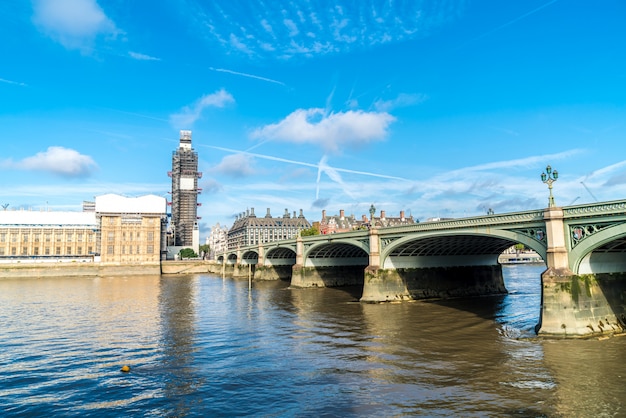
(116, 229)
(132, 230)
(250, 230)
(217, 240)
(332, 224)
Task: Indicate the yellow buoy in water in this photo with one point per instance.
(125, 369)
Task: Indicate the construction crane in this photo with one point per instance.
(572, 202)
(589, 191)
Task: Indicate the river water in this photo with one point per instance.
(204, 346)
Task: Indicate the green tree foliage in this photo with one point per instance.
(308, 232)
(204, 248)
(187, 253)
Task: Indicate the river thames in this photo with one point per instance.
(204, 346)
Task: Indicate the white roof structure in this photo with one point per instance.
(51, 219)
(114, 203)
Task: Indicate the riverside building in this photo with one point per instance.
(112, 230)
(184, 223)
(250, 230)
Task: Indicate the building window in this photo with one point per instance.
(111, 237)
(69, 250)
(150, 236)
(123, 249)
(111, 221)
(150, 249)
(109, 249)
(138, 249)
(47, 250)
(36, 250)
(24, 238)
(47, 237)
(24, 250)
(58, 251)
(79, 250)
(13, 251)
(89, 250)
(1, 251)
(3, 237)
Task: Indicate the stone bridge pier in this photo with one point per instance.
(578, 304)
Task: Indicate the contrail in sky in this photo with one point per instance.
(284, 160)
(269, 80)
(510, 22)
(17, 83)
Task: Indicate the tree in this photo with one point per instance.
(187, 253)
(308, 232)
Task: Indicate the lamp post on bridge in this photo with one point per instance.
(550, 177)
(372, 212)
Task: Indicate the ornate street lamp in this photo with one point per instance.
(550, 177)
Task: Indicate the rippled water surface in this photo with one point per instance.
(201, 345)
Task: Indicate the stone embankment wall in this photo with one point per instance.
(34, 270)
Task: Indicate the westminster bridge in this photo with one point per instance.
(583, 246)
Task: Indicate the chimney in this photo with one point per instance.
(364, 219)
(341, 214)
(402, 215)
(323, 214)
(301, 214)
(252, 213)
(382, 215)
(268, 214)
(286, 215)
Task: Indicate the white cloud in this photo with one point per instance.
(304, 29)
(142, 57)
(189, 114)
(403, 100)
(332, 132)
(236, 165)
(56, 160)
(73, 23)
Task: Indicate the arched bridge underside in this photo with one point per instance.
(459, 257)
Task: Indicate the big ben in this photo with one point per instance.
(185, 194)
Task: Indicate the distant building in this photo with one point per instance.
(185, 175)
(115, 229)
(48, 236)
(332, 224)
(132, 229)
(384, 221)
(250, 230)
(217, 240)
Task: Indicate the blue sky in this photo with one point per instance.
(438, 108)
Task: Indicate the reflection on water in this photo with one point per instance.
(205, 346)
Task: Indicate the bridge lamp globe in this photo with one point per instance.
(555, 174)
(544, 177)
(372, 211)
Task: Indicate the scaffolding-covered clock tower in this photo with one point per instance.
(185, 175)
